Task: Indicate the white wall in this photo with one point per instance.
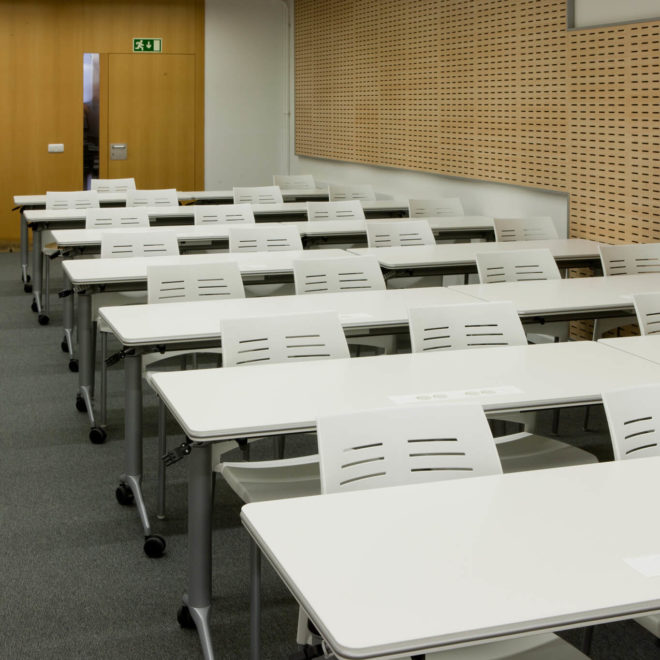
(246, 92)
(604, 12)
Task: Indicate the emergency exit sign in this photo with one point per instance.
(147, 45)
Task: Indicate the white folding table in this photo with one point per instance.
(461, 258)
(646, 347)
(210, 405)
(413, 569)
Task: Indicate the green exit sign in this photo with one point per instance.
(147, 45)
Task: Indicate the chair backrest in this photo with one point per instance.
(164, 197)
(524, 229)
(113, 185)
(294, 181)
(348, 210)
(647, 307)
(470, 325)
(363, 192)
(286, 338)
(214, 214)
(399, 233)
(435, 208)
(182, 282)
(630, 259)
(404, 444)
(122, 216)
(258, 195)
(516, 266)
(633, 416)
(77, 199)
(340, 274)
(265, 237)
(151, 243)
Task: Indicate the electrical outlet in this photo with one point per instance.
(55, 148)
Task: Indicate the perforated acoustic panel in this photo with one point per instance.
(495, 90)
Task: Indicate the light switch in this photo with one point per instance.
(55, 148)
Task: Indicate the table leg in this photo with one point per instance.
(68, 322)
(154, 545)
(198, 598)
(36, 269)
(255, 601)
(86, 341)
(25, 276)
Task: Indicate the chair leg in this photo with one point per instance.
(244, 446)
(585, 423)
(555, 421)
(278, 446)
(162, 450)
(587, 639)
(103, 394)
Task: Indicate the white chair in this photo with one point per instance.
(647, 308)
(113, 217)
(630, 259)
(347, 210)
(435, 208)
(163, 197)
(264, 237)
(113, 185)
(524, 229)
(633, 418)
(412, 444)
(179, 283)
(399, 233)
(337, 274)
(516, 266)
(340, 192)
(486, 324)
(294, 181)
(258, 195)
(288, 338)
(214, 214)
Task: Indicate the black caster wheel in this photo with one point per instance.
(27, 288)
(185, 619)
(124, 495)
(73, 366)
(34, 307)
(43, 319)
(81, 406)
(97, 435)
(154, 546)
(64, 346)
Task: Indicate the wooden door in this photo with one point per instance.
(150, 107)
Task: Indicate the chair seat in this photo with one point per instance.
(527, 451)
(260, 481)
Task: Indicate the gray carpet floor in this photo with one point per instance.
(75, 582)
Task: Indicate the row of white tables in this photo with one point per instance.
(210, 405)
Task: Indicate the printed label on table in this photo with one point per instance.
(647, 565)
(454, 395)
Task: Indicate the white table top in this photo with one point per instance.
(134, 269)
(647, 347)
(413, 568)
(92, 237)
(190, 321)
(566, 295)
(211, 403)
(459, 254)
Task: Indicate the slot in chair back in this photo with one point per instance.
(347, 210)
(82, 199)
(113, 185)
(182, 282)
(111, 217)
(630, 259)
(150, 243)
(229, 214)
(340, 274)
(403, 445)
(517, 266)
(362, 192)
(399, 233)
(524, 229)
(162, 197)
(435, 208)
(647, 307)
(294, 181)
(258, 195)
(264, 238)
(286, 338)
(471, 325)
(634, 421)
